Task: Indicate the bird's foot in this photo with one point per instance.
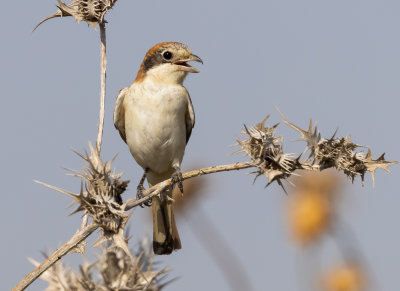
(140, 189)
(177, 179)
(139, 195)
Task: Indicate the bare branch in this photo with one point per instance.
(158, 188)
(57, 255)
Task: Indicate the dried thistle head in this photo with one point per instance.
(90, 11)
(60, 277)
(122, 272)
(100, 194)
(266, 152)
(339, 153)
(118, 271)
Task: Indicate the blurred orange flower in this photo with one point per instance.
(311, 206)
(344, 278)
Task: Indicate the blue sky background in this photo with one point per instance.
(335, 61)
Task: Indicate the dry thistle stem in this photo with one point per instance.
(117, 270)
(90, 11)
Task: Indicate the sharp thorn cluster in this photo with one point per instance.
(266, 152)
(90, 11)
(100, 193)
(114, 270)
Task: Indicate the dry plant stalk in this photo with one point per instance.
(56, 256)
(92, 12)
(103, 66)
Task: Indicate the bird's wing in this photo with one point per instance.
(119, 113)
(189, 118)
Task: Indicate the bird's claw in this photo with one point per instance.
(177, 179)
(139, 195)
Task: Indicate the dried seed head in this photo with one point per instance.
(339, 153)
(100, 194)
(60, 277)
(122, 272)
(118, 271)
(90, 11)
(266, 152)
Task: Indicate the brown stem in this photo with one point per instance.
(57, 255)
(102, 85)
(156, 189)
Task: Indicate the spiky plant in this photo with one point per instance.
(118, 271)
(266, 153)
(100, 196)
(90, 11)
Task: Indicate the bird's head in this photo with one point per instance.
(167, 62)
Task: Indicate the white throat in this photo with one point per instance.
(167, 74)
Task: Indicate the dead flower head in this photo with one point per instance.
(90, 11)
(100, 194)
(339, 153)
(117, 270)
(266, 152)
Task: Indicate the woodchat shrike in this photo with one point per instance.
(155, 117)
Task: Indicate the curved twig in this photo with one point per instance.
(57, 255)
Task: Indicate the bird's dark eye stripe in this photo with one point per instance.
(167, 55)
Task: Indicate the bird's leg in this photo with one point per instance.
(140, 188)
(177, 178)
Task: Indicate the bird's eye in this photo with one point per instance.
(167, 55)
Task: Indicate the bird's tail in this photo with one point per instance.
(165, 233)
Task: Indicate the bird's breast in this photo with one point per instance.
(155, 125)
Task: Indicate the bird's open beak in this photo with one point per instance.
(183, 66)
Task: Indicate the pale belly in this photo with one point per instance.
(156, 130)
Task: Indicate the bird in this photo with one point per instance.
(155, 117)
